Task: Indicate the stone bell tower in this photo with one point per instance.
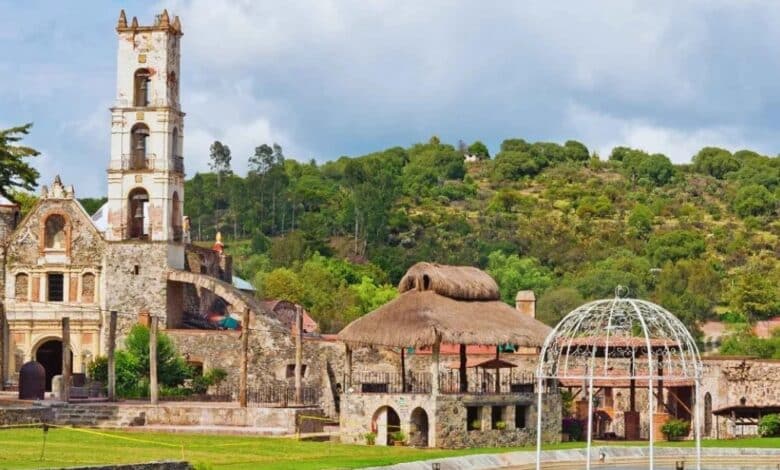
(146, 171)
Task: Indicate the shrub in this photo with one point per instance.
(476, 425)
(501, 425)
(370, 438)
(573, 428)
(769, 425)
(202, 383)
(675, 429)
(398, 436)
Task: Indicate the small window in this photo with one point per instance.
(54, 232)
(141, 91)
(88, 288)
(197, 368)
(497, 416)
(473, 418)
(56, 284)
(136, 269)
(21, 287)
(290, 371)
(520, 412)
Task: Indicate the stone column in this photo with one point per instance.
(153, 389)
(5, 349)
(435, 367)
(66, 359)
(111, 356)
(298, 353)
(244, 379)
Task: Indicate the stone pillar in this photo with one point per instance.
(659, 419)
(435, 367)
(153, 390)
(5, 349)
(348, 367)
(111, 356)
(66, 360)
(243, 380)
(298, 353)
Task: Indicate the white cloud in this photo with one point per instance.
(606, 132)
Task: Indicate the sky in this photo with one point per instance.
(327, 78)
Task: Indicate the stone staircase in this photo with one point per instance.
(96, 415)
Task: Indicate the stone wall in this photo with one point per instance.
(25, 415)
(164, 465)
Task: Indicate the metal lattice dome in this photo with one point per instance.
(621, 338)
(621, 343)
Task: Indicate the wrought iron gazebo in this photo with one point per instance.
(630, 342)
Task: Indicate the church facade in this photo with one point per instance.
(133, 255)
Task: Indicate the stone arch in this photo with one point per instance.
(141, 84)
(56, 232)
(139, 146)
(384, 422)
(221, 288)
(419, 428)
(707, 414)
(176, 217)
(48, 352)
(88, 287)
(137, 213)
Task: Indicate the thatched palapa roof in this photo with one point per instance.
(450, 304)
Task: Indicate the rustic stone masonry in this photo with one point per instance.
(25, 415)
(165, 465)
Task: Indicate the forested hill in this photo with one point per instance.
(700, 239)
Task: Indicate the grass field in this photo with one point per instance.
(22, 448)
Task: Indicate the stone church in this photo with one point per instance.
(133, 255)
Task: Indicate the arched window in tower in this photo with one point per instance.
(139, 147)
(54, 233)
(138, 213)
(141, 88)
(176, 217)
(175, 142)
(21, 287)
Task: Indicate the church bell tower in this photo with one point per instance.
(146, 171)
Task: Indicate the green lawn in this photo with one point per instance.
(21, 448)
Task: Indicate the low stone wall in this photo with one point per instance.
(140, 466)
(25, 415)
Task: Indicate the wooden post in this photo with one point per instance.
(244, 379)
(462, 372)
(111, 358)
(153, 391)
(435, 367)
(67, 364)
(348, 375)
(298, 352)
(4, 349)
(403, 369)
(498, 377)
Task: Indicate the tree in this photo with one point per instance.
(716, 162)
(576, 151)
(220, 160)
(514, 274)
(15, 172)
(282, 284)
(675, 245)
(479, 149)
(555, 303)
(754, 200)
(641, 220)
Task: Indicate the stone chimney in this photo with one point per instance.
(525, 303)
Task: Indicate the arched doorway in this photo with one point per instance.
(707, 414)
(418, 432)
(49, 355)
(384, 423)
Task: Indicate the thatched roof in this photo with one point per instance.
(455, 282)
(418, 318)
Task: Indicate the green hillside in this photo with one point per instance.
(700, 239)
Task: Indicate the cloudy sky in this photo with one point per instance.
(326, 78)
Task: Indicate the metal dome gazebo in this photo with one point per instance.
(622, 340)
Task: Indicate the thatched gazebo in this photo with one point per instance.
(439, 304)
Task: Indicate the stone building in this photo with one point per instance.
(132, 256)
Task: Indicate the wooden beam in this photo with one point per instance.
(462, 372)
